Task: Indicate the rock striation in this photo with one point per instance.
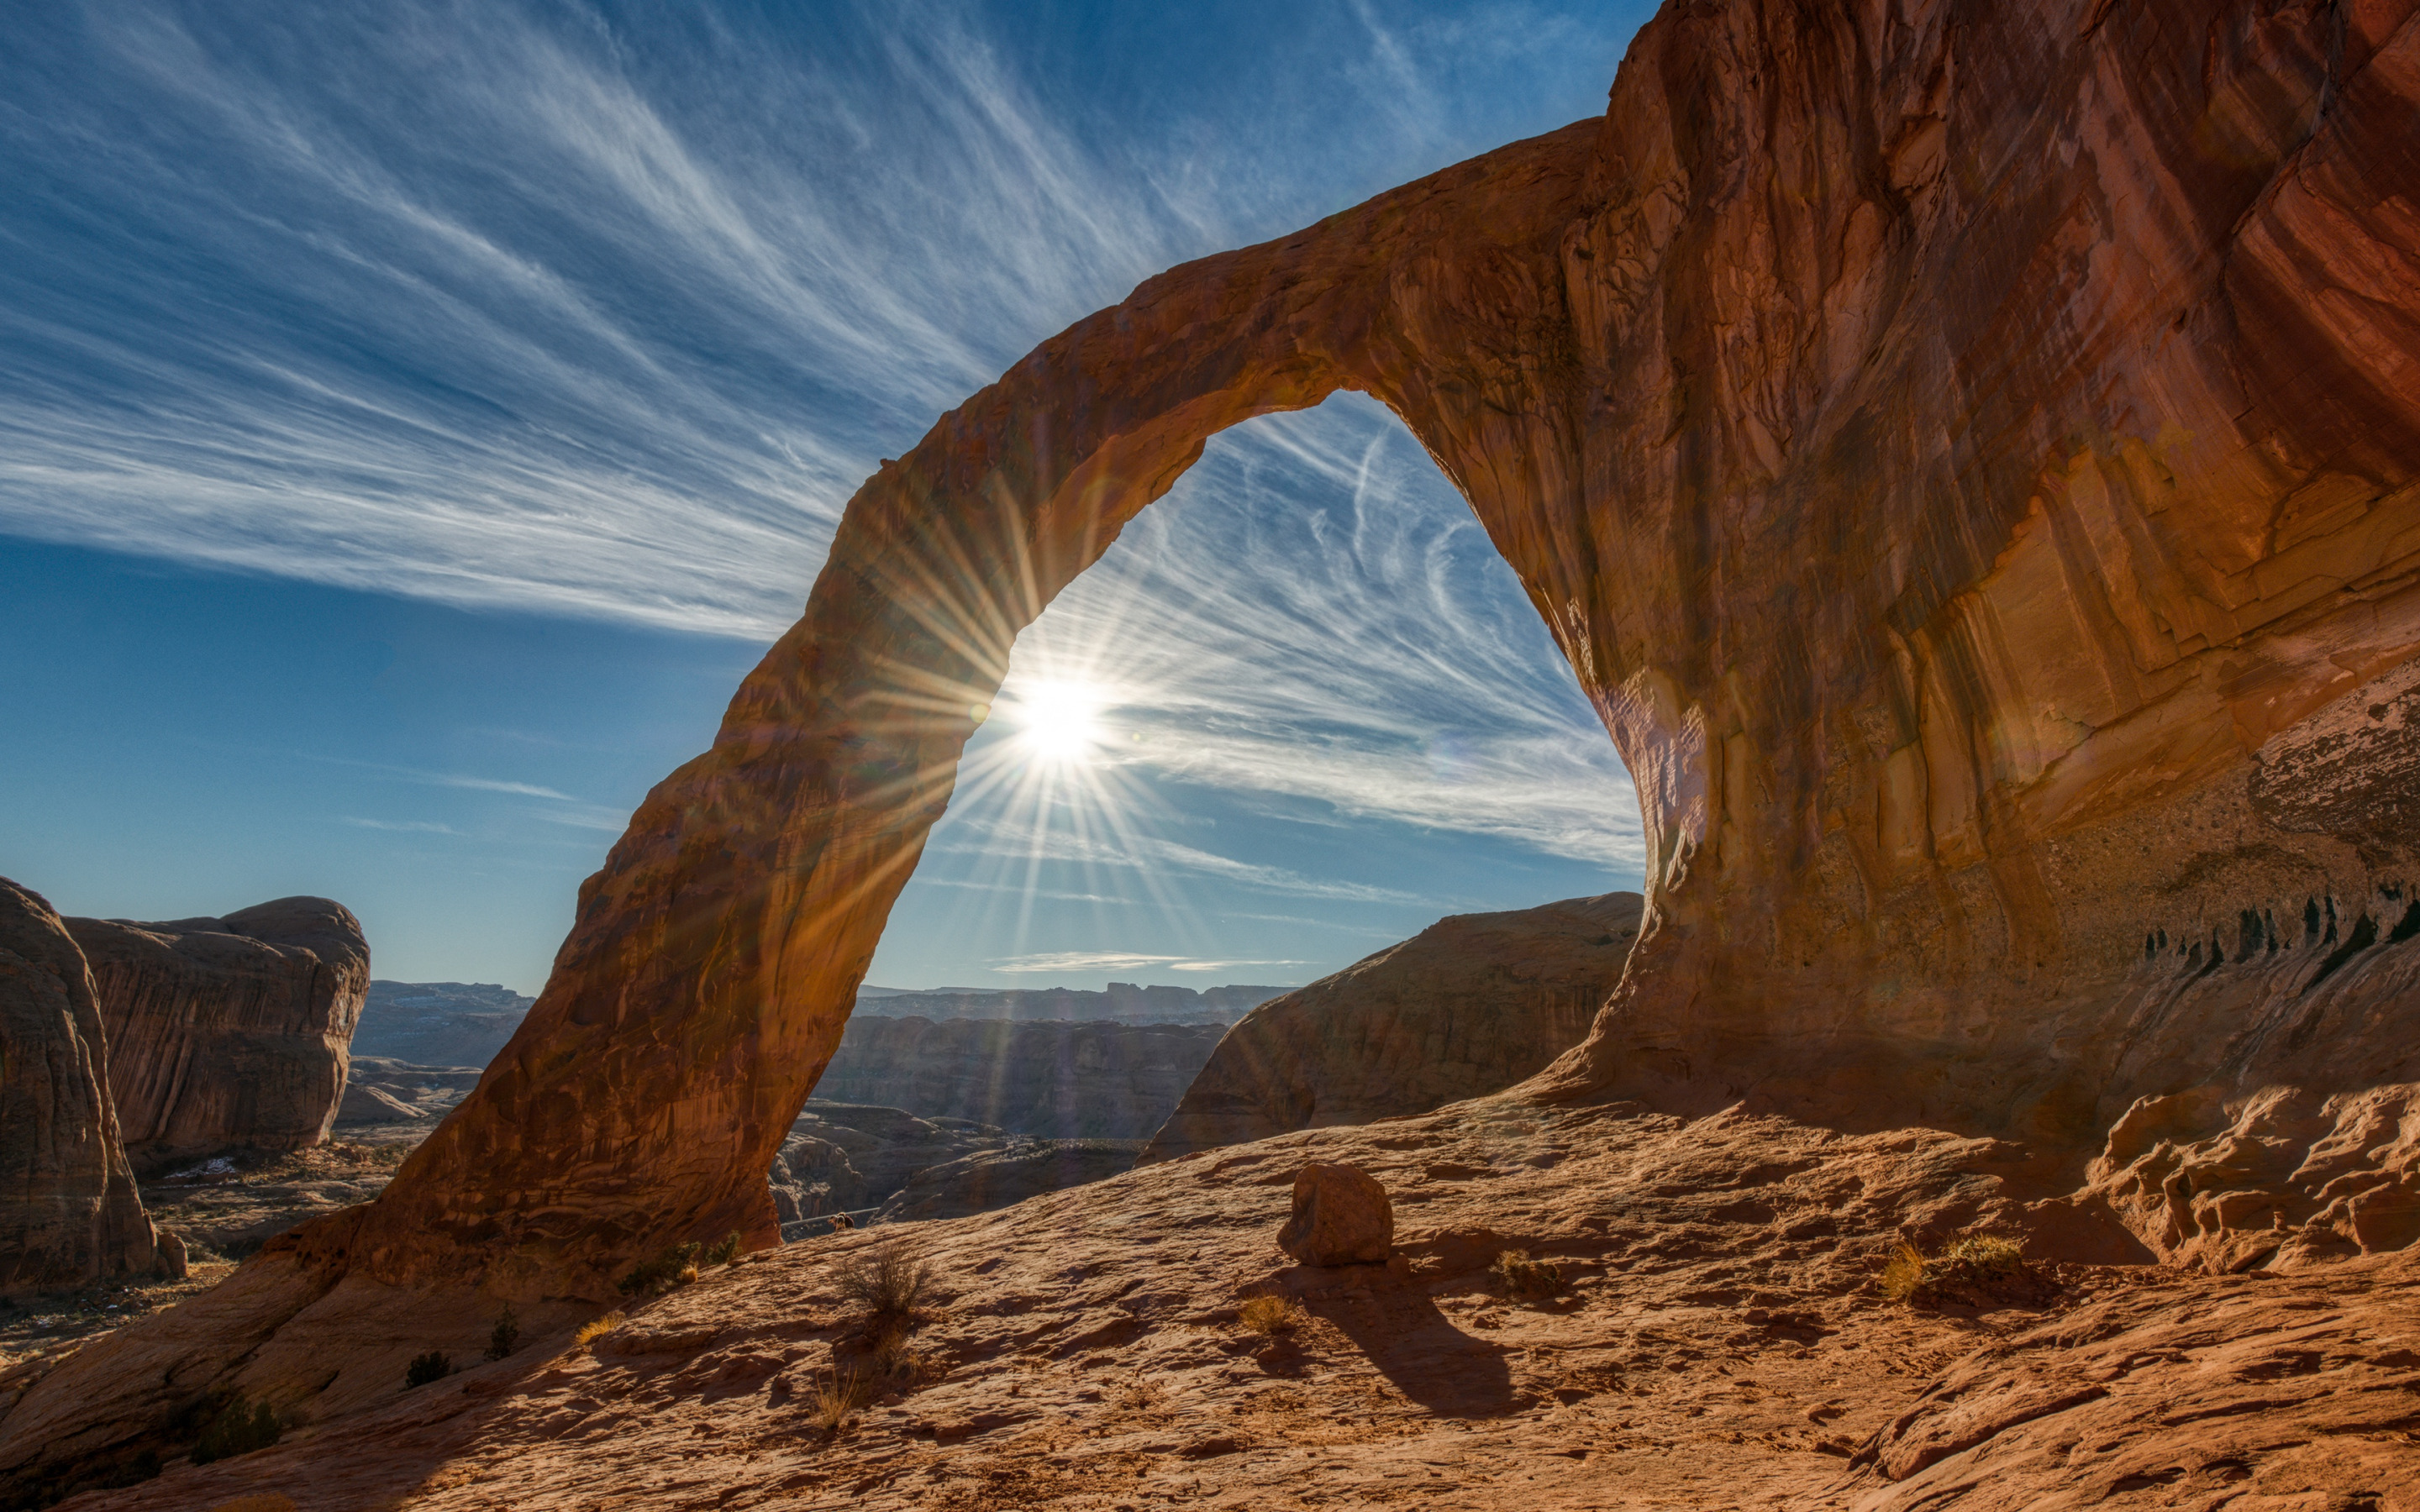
(1970, 456)
(1048, 1078)
(69, 1208)
(1468, 1006)
(227, 1033)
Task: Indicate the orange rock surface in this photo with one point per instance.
(227, 1033)
(1970, 455)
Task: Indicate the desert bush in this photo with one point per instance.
(238, 1429)
(1272, 1316)
(1904, 1272)
(1524, 1279)
(888, 1280)
(506, 1333)
(723, 1251)
(434, 1365)
(674, 1266)
(837, 1397)
(595, 1328)
(1977, 1260)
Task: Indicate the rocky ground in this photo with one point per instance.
(1721, 1338)
(226, 1206)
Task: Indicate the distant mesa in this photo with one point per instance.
(68, 1209)
(439, 1023)
(1125, 1002)
(1469, 1006)
(227, 1033)
(1051, 1079)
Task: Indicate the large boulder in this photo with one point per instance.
(1469, 1006)
(1340, 1217)
(68, 1210)
(227, 1033)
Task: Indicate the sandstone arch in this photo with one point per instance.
(1970, 454)
(1964, 462)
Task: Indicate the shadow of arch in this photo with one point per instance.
(715, 958)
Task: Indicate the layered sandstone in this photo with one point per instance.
(1468, 1006)
(1970, 456)
(1049, 1078)
(227, 1033)
(68, 1209)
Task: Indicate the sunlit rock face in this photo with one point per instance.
(227, 1033)
(1469, 1006)
(1967, 454)
(68, 1210)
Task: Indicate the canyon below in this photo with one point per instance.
(1970, 457)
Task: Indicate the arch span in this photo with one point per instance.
(1954, 595)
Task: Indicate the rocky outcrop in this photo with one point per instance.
(1052, 1079)
(69, 1208)
(1468, 1006)
(1970, 456)
(227, 1033)
(1340, 1217)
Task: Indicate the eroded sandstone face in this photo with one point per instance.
(68, 1210)
(1469, 1006)
(228, 1033)
(1970, 456)
(1967, 452)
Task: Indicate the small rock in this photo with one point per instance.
(1340, 1217)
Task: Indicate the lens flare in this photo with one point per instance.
(1060, 722)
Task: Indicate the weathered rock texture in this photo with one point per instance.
(1340, 1217)
(1970, 455)
(1466, 1006)
(1054, 1079)
(69, 1208)
(227, 1033)
(1722, 1345)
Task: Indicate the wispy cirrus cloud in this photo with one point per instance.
(540, 306)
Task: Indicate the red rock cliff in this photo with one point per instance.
(228, 1033)
(1968, 454)
(68, 1210)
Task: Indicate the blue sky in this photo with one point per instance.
(416, 418)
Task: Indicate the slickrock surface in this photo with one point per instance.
(227, 1033)
(1468, 1006)
(1721, 1345)
(1052, 1078)
(68, 1209)
(1970, 456)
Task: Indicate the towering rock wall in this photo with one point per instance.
(69, 1211)
(1057, 1080)
(227, 1033)
(1468, 1006)
(1968, 454)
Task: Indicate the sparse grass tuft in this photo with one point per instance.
(1272, 1316)
(1977, 1259)
(595, 1328)
(238, 1429)
(1524, 1279)
(434, 1365)
(506, 1333)
(888, 1280)
(1904, 1271)
(723, 1251)
(836, 1398)
(674, 1266)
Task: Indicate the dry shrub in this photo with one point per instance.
(1904, 1272)
(239, 1428)
(1272, 1316)
(661, 1273)
(595, 1328)
(1986, 1252)
(1524, 1279)
(723, 1251)
(837, 1397)
(888, 1280)
(896, 1364)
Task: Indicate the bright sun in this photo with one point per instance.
(1061, 722)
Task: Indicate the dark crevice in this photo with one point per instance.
(2410, 926)
(2364, 934)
